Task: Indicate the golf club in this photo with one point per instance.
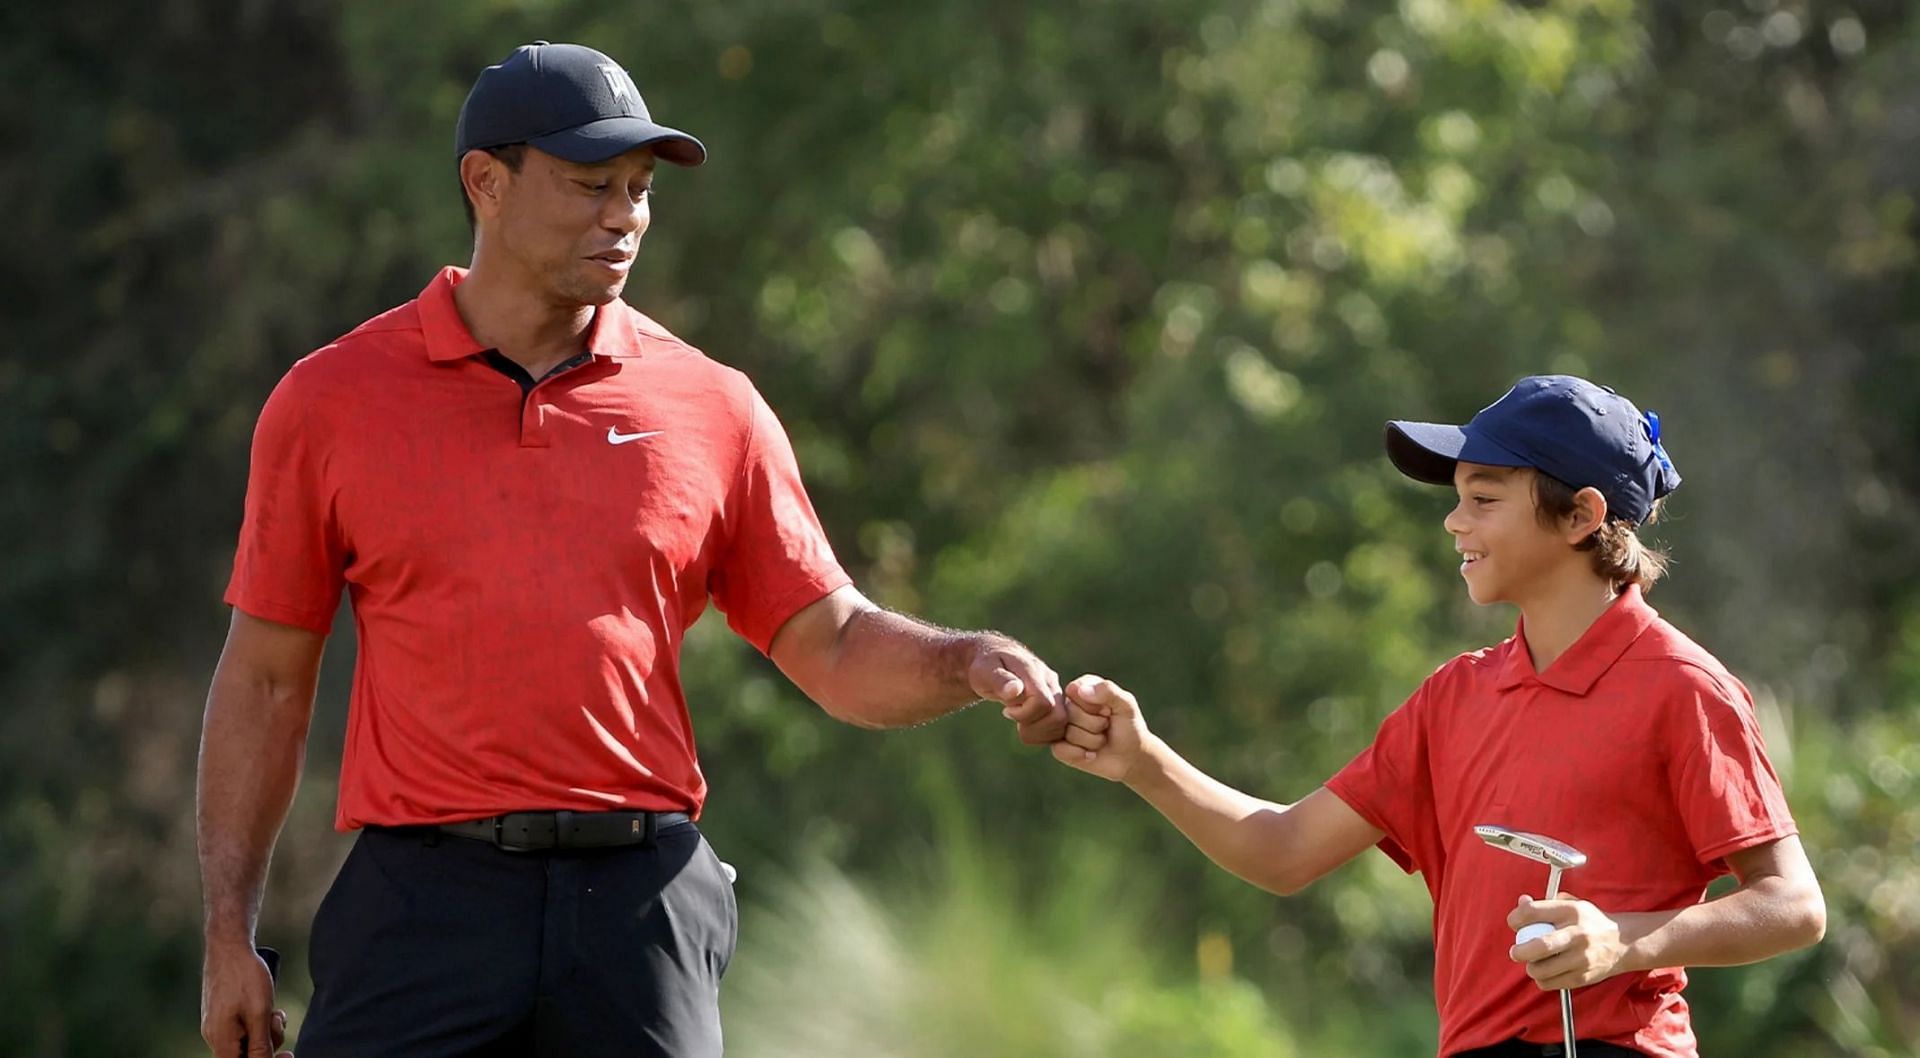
(1558, 856)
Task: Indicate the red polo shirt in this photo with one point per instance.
(522, 570)
(1635, 747)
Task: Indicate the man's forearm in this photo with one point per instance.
(1757, 921)
(251, 749)
(891, 670)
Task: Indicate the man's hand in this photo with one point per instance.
(1029, 693)
(1586, 946)
(236, 1005)
(1125, 733)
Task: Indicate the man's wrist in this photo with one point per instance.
(967, 648)
(221, 931)
(218, 944)
(980, 644)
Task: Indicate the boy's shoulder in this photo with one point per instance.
(1475, 666)
(1670, 656)
(1662, 642)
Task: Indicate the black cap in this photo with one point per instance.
(569, 101)
(1565, 427)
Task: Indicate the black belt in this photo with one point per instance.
(1523, 1049)
(530, 831)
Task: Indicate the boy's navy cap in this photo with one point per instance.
(569, 101)
(1565, 427)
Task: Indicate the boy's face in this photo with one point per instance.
(1506, 552)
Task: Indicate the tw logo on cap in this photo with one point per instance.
(624, 93)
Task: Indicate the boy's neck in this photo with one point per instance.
(1555, 617)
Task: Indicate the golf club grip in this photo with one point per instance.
(1566, 1023)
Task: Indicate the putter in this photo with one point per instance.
(1558, 856)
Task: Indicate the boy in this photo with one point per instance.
(1597, 724)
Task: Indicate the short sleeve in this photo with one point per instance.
(1725, 788)
(290, 563)
(1390, 785)
(776, 559)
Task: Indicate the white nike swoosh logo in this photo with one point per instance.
(615, 437)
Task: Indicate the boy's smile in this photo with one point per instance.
(1505, 551)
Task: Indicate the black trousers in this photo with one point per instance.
(435, 946)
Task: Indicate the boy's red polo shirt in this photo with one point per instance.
(1636, 747)
(522, 572)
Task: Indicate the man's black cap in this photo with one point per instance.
(569, 101)
(1565, 427)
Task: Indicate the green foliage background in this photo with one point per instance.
(1084, 317)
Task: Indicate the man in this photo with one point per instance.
(1597, 723)
(530, 491)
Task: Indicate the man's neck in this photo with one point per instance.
(517, 320)
(1555, 617)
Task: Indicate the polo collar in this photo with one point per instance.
(612, 334)
(1590, 656)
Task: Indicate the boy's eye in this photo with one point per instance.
(1484, 500)
(589, 185)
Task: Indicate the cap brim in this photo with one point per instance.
(1430, 451)
(597, 141)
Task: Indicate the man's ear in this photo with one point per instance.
(1589, 514)
(484, 178)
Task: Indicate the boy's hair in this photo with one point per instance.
(1617, 551)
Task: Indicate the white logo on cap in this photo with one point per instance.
(620, 84)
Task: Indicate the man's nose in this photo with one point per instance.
(626, 216)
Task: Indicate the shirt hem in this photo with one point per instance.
(1751, 839)
(310, 620)
(792, 602)
(1387, 845)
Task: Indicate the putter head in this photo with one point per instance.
(1532, 846)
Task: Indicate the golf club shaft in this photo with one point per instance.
(1566, 997)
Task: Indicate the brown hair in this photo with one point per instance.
(1617, 551)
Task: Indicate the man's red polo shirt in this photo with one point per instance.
(1635, 746)
(522, 572)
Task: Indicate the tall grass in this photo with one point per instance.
(961, 957)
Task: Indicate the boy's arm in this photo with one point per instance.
(1280, 848)
(1777, 908)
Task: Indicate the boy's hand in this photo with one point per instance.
(1586, 946)
(1097, 700)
